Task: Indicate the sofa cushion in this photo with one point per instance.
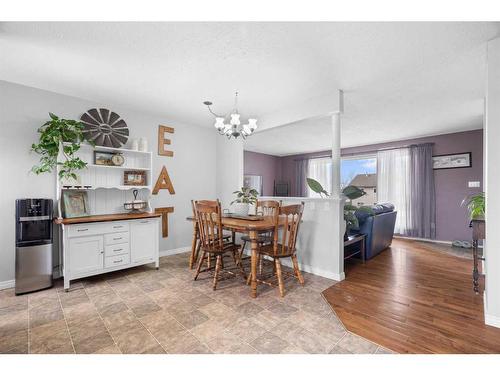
(362, 215)
(387, 207)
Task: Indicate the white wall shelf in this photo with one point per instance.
(112, 149)
(107, 192)
(122, 167)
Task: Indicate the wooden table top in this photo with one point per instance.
(243, 225)
(111, 217)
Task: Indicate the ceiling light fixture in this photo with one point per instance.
(230, 125)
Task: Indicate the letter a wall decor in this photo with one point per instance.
(163, 182)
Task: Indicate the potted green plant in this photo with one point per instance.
(244, 198)
(351, 192)
(63, 137)
(476, 206)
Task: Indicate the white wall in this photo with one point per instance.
(492, 182)
(320, 248)
(229, 168)
(24, 109)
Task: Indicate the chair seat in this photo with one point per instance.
(216, 250)
(261, 238)
(283, 251)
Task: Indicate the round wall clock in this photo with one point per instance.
(104, 128)
(118, 159)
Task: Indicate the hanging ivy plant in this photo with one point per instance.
(54, 133)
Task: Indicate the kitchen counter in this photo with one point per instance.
(102, 218)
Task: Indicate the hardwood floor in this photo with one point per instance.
(412, 299)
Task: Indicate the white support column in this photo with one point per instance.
(336, 155)
(492, 181)
(338, 219)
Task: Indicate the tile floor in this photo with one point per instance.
(144, 310)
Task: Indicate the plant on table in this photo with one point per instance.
(476, 206)
(244, 197)
(55, 135)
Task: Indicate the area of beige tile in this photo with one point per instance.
(144, 310)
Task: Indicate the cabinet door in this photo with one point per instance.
(143, 240)
(86, 254)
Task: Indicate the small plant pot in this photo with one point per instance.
(240, 209)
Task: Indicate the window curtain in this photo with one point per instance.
(405, 178)
(393, 183)
(320, 170)
(301, 167)
(422, 193)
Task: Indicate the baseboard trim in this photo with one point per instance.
(492, 320)
(427, 240)
(423, 240)
(179, 250)
(316, 271)
(7, 284)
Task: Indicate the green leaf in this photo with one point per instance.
(353, 192)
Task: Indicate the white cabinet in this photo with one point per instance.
(143, 240)
(93, 248)
(86, 254)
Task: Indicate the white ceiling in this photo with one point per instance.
(400, 80)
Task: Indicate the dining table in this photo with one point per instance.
(250, 226)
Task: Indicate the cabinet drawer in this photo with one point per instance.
(84, 230)
(116, 226)
(116, 249)
(116, 261)
(116, 238)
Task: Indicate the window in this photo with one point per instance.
(360, 171)
(321, 170)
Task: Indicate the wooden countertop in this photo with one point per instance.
(111, 217)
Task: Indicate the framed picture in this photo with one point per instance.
(449, 161)
(103, 158)
(134, 178)
(75, 203)
(254, 182)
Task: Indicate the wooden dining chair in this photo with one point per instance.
(265, 208)
(195, 246)
(284, 245)
(209, 217)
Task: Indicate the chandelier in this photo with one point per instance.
(230, 125)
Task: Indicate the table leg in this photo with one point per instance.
(192, 259)
(253, 269)
(363, 250)
(475, 271)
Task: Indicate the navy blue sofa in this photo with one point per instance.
(378, 227)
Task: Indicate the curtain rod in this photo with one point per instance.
(364, 152)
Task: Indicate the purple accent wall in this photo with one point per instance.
(451, 184)
(264, 165)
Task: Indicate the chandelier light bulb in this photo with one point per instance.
(219, 123)
(235, 119)
(252, 124)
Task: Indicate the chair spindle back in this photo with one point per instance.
(268, 208)
(291, 216)
(209, 217)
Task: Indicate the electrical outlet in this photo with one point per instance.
(474, 184)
